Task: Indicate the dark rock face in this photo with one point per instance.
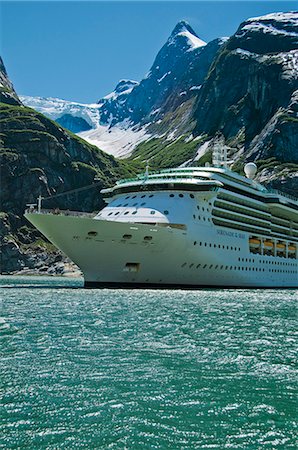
(266, 34)
(40, 158)
(73, 123)
(114, 105)
(249, 93)
(176, 74)
(7, 92)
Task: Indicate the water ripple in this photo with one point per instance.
(113, 369)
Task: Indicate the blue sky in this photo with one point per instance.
(79, 50)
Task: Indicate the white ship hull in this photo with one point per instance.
(127, 254)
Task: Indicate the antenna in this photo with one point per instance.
(147, 170)
(219, 155)
(39, 199)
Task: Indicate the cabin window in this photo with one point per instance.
(131, 267)
(92, 233)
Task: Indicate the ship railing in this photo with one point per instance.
(59, 212)
(283, 194)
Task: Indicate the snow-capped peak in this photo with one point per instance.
(185, 31)
(124, 87)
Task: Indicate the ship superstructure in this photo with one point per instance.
(183, 227)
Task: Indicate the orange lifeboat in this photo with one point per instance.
(280, 247)
(268, 244)
(254, 242)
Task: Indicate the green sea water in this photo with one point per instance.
(121, 369)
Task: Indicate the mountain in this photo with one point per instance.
(38, 157)
(250, 95)
(55, 108)
(241, 91)
(73, 123)
(134, 111)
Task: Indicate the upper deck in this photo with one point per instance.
(202, 179)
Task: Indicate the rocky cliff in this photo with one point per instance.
(38, 157)
(250, 93)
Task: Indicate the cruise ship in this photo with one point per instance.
(187, 227)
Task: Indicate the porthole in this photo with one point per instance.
(181, 195)
(198, 207)
(191, 196)
(172, 195)
(110, 214)
(147, 238)
(142, 204)
(134, 212)
(120, 204)
(134, 196)
(194, 216)
(127, 197)
(126, 212)
(126, 204)
(190, 266)
(143, 196)
(166, 212)
(195, 243)
(151, 195)
(152, 212)
(116, 214)
(92, 233)
(127, 236)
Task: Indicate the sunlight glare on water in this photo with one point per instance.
(141, 369)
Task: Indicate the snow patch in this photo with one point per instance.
(56, 107)
(193, 41)
(163, 77)
(202, 150)
(119, 140)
